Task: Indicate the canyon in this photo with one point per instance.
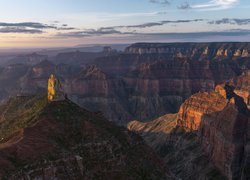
(143, 82)
(196, 93)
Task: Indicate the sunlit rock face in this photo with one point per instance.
(194, 108)
(55, 92)
(242, 86)
(215, 125)
(245, 53)
(237, 53)
(192, 49)
(221, 120)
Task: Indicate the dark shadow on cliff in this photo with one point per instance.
(215, 151)
(182, 153)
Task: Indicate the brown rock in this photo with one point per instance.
(194, 108)
(221, 119)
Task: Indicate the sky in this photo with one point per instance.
(63, 23)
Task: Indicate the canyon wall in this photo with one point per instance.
(131, 85)
(221, 119)
(215, 125)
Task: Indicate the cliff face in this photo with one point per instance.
(60, 140)
(192, 49)
(35, 79)
(221, 119)
(242, 86)
(180, 150)
(219, 123)
(97, 91)
(193, 109)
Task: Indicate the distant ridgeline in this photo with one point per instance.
(193, 49)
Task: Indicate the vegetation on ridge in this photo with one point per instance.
(18, 113)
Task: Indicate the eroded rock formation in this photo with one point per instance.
(219, 121)
(130, 85)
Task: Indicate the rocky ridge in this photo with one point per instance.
(60, 140)
(192, 49)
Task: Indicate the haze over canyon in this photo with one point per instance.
(125, 90)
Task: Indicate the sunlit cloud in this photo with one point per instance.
(215, 5)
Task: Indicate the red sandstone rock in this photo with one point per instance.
(221, 119)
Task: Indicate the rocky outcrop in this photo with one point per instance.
(221, 119)
(60, 140)
(155, 132)
(217, 121)
(242, 86)
(193, 109)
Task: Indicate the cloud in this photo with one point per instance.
(231, 32)
(119, 30)
(160, 23)
(93, 32)
(236, 21)
(20, 30)
(30, 27)
(34, 25)
(209, 36)
(184, 6)
(160, 1)
(215, 5)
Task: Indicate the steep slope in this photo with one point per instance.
(242, 86)
(214, 126)
(97, 91)
(162, 86)
(180, 150)
(60, 140)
